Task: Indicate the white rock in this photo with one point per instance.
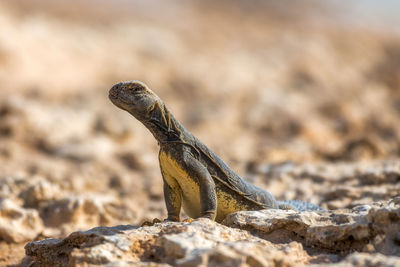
(18, 224)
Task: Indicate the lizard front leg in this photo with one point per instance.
(173, 199)
(208, 196)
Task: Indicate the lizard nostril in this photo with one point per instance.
(114, 91)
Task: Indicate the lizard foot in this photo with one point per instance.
(188, 220)
(148, 223)
(286, 207)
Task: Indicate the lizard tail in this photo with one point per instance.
(298, 206)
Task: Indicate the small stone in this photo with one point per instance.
(40, 192)
(89, 211)
(368, 248)
(18, 224)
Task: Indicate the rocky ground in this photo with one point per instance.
(252, 238)
(302, 107)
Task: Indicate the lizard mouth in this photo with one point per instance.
(114, 91)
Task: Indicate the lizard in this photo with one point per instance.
(194, 177)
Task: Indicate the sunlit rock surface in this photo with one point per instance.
(258, 238)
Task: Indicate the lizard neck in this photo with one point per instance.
(162, 124)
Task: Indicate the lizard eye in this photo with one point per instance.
(136, 88)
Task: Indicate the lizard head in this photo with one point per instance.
(134, 97)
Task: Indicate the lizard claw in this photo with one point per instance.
(148, 223)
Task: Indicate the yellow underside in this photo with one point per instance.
(179, 179)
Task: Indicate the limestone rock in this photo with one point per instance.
(332, 185)
(40, 192)
(366, 260)
(373, 228)
(18, 224)
(85, 211)
(12, 186)
(266, 238)
(200, 243)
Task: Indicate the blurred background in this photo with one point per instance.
(270, 86)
